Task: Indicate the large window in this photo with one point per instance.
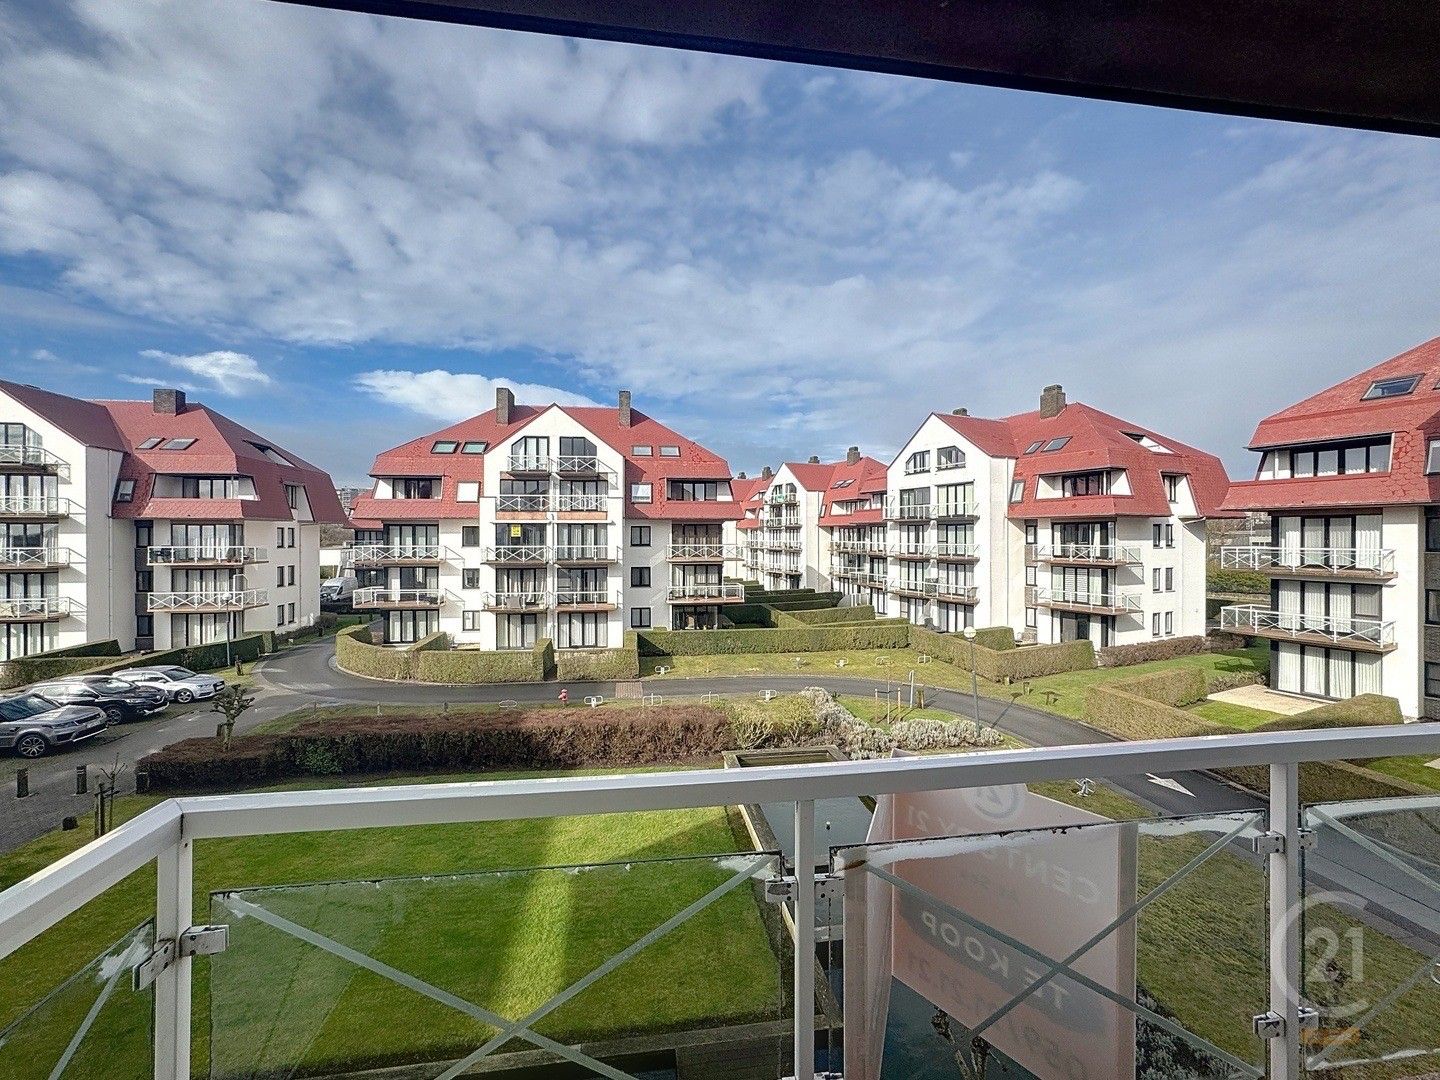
(1087, 483)
(418, 487)
(210, 487)
(950, 457)
(918, 462)
(1432, 679)
(695, 490)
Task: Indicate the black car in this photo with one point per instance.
(117, 699)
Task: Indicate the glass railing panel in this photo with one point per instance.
(1370, 921)
(617, 970)
(93, 1026)
(1103, 949)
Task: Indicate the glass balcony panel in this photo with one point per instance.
(613, 970)
(1371, 937)
(1094, 950)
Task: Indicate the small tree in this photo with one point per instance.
(230, 703)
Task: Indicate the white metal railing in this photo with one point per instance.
(1128, 554)
(1304, 560)
(1093, 598)
(586, 598)
(165, 836)
(585, 502)
(854, 547)
(783, 498)
(517, 600)
(14, 608)
(952, 508)
(378, 554)
(518, 553)
(31, 457)
(944, 550)
(587, 553)
(210, 600)
(379, 596)
(918, 587)
(704, 551)
(1347, 629)
(962, 594)
(33, 506)
(579, 463)
(204, 553)
(528, 463)
(912, 551)
(522, 504)
(21, 558)
(907, 511)
(697, 592)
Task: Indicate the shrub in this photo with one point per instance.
(891, 634)
(599, 665)
(999, 638)
(1236, 581)
(57, 663)
(925, 733)
(1127, 715)
(478, 667)
(787, 721)
(819, 603)
(1219, 681)
(999, 665)
(356, 653)
(751, 615)
(828, 616)
(1364, 710)
(1145, 651)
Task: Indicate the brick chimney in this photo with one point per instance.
(852, 456)
(814, 459)
(504, 402)
(624, 408)
(766, 473)
(1052, 401)
(169, 402)
(960, 412)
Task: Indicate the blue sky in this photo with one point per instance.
(342, 230)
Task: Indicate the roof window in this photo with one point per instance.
(1398, 386)
(474, 446)
(1034, 446)
(1056, 444)
(669, 451)
(150, 443)
(444, 446)
(178, 444)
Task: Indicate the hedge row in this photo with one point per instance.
(828, 616)
(537, 739)
(1145, 651)
(59, 663)
(479, 667)
(820, 603)
(751, 615)
(889, 634)
(1363, 710)
(999, 638)
(599, 665)
(1000, 665)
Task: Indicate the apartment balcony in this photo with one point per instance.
(385, 599)
(383, 942)
(580, 465)
(1084, 601)
(220, 555)
(522, 505)
(956, 511)
(212, 601)
(702, 553)
(1089, 554)
(586, 554)
(788, 498)
(950, 593)
(586, 600)
(922, 552)
(581, 504)
(33, 508)
(924, 590)
(1344, 564)
(517, 601)
(530, 464)
(957, 552)
(15, 457)
(34, 558)
(377, 555)
(898, 511)
(698, 593)
(851, 547)
(1359, 632)
(519, 555)
(34, 609)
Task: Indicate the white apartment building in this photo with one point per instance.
(156, 523)
(1351, 479)
(740, 535)
(546, 521)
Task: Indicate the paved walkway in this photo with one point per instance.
(1266, 700)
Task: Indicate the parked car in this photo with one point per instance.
(117, 699)
(179, 684)
(32, 725)
(338, 590)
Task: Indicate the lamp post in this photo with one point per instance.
(974, 678)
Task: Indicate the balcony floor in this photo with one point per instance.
(1311, 637)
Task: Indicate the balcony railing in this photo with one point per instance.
(915, 587)
(586, 598)
(517, 600)
(580, 503)
(522, 504)
(912, 551)
(210, 600)
(518, 553)
(15, 455)
(782, 498)
(698, 593)
(906, 511)
(529, 463)
(206, 554)
(1102, 554)
(395, 554)
(951, 508)
(33, 506)
(1311, 561)
(34, 558)
(34, 608)
(382, 598)
(958, 552)
(702, 552)
(1352, 631)
(586, 553)
(1078, 947)
(952, 593)
(1107, 602)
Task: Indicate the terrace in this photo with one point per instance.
(35, 558)
(216, 600)
(1093, 601)
(206, 555)
(1351, 631)
(33, 507)
(1089, 554)
(32, 609)
(367, 555)
(1356, 564)
(384, 599)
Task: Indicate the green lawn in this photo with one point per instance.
(1414, 769)
(1239, 717)
(508, 942)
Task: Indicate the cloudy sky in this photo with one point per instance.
(344, 230)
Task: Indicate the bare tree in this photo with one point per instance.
(230, 703)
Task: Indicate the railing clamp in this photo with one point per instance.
(1273, 843)
(1271, 1025)
(196, 941)
(781, 890)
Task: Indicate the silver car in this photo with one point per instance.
(32, 726)
(179, 683)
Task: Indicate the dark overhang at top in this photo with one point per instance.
(1347, 63)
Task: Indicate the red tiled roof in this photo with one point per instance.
(85, 421)
(1340, 412)
(864, 474)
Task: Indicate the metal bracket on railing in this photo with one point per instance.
(1271, 1025)
(1273, 843)
(196, 941)
(781, 890)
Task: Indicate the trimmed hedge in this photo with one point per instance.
(829, 616)
(758, 615)
(1363, 710)
(599, 665)
(998, 665)
(432, 660)
(1236, 581)
(890, 634)
(818, 604)
(75, 660)
(57, 663)
(999, 638)
(357, 653)
(1145, 651)
(537, 739)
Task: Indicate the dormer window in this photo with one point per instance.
(124, 491)
(150, 443)
(1017, 491)
(444, 446)
(1055, 444)
(918, 462)
(1398, 386)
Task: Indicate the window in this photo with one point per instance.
(467, 491)
(144, 534)
(279, 614)
(640, 493)
(640, 618)
(470, 620)
(470, 578)
(1032, 532)
(843, 483)
(290, 575)
(639, 535)
(292, 496)
(144, 625)
(144, 581)
(949, 457)
(1017, 491)
(444, 446)
(423, 487)
(1432, 456)
(642, 451)
(212, 487)
(918, 462)
(1432, 680)
(1172, 488)
(1169, 579)
(1031, 575)
(1169, 622)
(640, 577)
(694, 490)
(669, 451)
(280, 537)
(1056, 444)
(1169, 536)
(1157, 533)
(279, 576)
(473, 446)
(1030, 617)
(1155, 625)
(1332, 459)
(289, 537)
(178, 444)
(1432, 606)
(290, 613)
(1088, 483)
(150, 443)
(1155, 580)
(1398, 386)
(470, 536)
(1034, 446)
(1432, 532)
(124, 490)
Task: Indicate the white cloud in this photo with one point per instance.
(231, 373)
(454, 395)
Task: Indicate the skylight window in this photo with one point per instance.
(1388, 388)
(178, 444)
(843, 483)
(1056, 444)
(669, 451)
(642, 451)
(444, 446)
(124, 491)
(1034, 446)
(474, 446)
(150, 443)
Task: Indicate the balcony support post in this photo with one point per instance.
(174, 900)
(1285, 945)
(804, 940)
